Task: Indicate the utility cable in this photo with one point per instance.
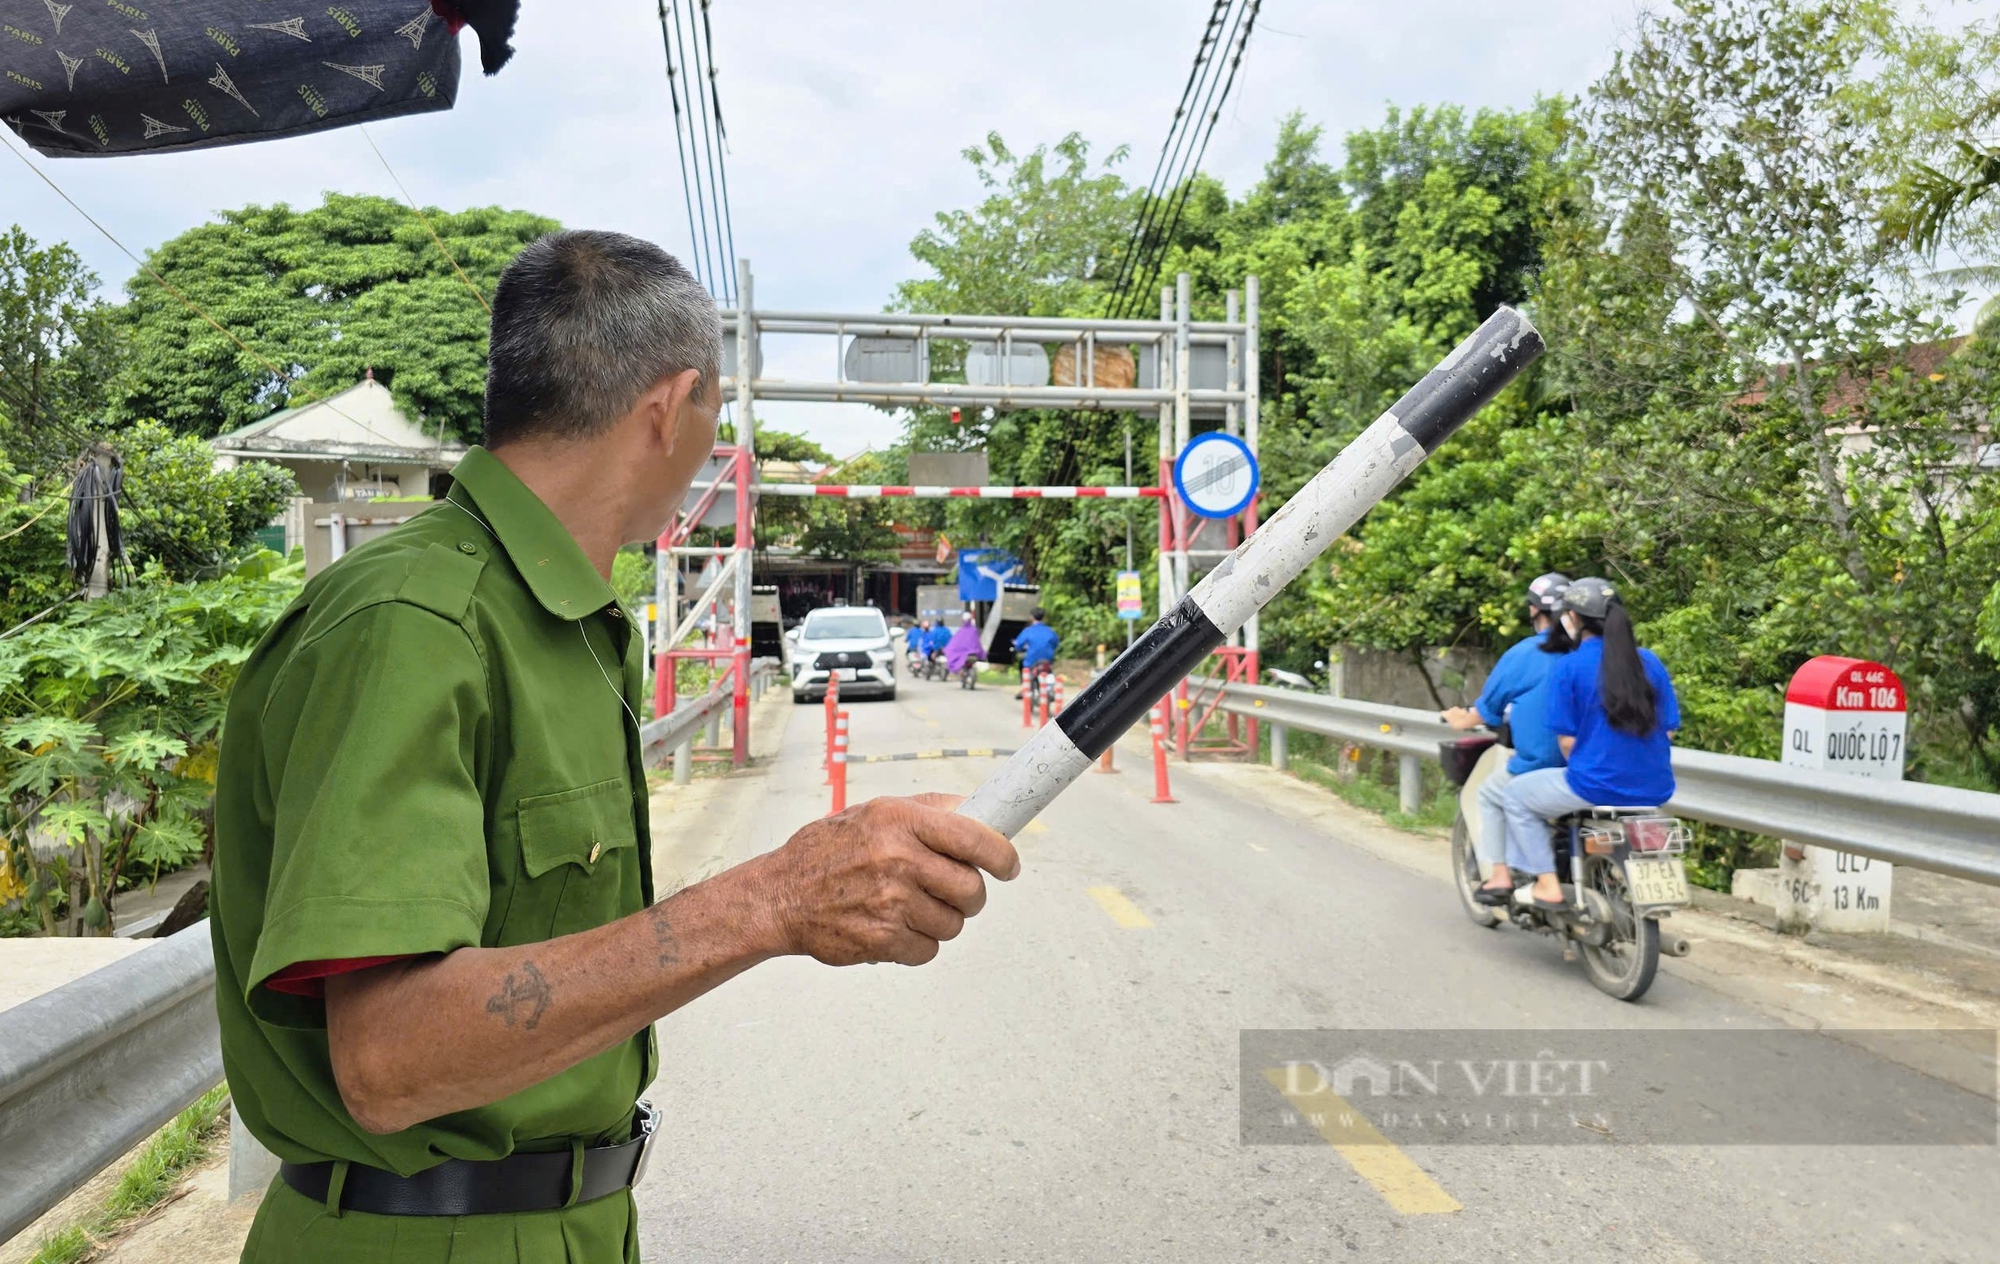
(724, 272)
(700, 195)
(1248, 21)
(189, 303)
(425, 220)
(722, 132)
(1129, 258)
(1153, 243)
(680, 146)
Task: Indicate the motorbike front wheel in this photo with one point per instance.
(1466, 875)
(1624, 965)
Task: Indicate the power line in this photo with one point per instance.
(189, 303)
(1247, 20)
(1180, 167)
(1130, 256)
(722, 134)
(425, 220)
(680, 146)
(1182, 151)
(699, 142)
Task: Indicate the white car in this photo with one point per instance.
(851, 640)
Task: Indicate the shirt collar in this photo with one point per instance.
(541, 547)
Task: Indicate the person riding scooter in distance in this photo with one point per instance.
(964, 648)
(1036, 644)
(1612, 708)
(1513, 695)
(913, 643)
(936, 639)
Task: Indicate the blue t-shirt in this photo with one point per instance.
(1514, 693)
(1037, 644)
(936, 640)
(1608, 766)
(913, 640)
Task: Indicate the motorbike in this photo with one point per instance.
(968, 675)
(934, 668)
(1624, 874)
(1041, 683)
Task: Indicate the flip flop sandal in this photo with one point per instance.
(1492, 897)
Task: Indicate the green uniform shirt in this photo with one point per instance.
(429, 751)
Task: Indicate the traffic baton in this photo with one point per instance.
(1162, 792)
(832, 704)
(1027, 704)
(839, 762)
(1319, 513)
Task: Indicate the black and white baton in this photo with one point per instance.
(1317, 514)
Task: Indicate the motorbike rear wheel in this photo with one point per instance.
(1624, 965)
(1466, 876)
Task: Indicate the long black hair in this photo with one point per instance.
(1557, 641)
(1629, 700)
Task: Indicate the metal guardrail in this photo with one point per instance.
(658, 738)
(1938, 828)
(88, 1070)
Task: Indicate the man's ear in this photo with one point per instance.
(666, 405)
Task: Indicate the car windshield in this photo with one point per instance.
(842, 625)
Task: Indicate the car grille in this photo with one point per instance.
(841, 658)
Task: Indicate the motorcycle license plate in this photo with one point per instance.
(1657, 880)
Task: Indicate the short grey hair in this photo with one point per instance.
(585, 322)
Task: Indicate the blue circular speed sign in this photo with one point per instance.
(1216, 475)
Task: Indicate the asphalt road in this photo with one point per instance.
(1064, 1083)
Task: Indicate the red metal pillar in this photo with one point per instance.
(663, 667)
(739, 753)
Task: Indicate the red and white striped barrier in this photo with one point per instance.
(864, 491)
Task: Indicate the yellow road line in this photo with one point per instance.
(1375, 1159)
(1037, 827)
(1120, 909)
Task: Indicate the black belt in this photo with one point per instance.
(467, 1187)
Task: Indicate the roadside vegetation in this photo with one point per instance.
(151, 1180)
(1764, 412)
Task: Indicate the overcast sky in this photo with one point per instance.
(845, 122)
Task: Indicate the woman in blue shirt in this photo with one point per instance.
(1611, 706)
(1513, 695)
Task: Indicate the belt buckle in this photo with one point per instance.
(645, 1122)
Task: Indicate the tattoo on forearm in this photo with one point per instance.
(664, 938)
(524, 995)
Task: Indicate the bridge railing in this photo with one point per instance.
(1939, 828)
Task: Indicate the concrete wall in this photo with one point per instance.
(1372, 675)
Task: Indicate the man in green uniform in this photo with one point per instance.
(438, 956)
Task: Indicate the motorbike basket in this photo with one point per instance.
(1460, 754)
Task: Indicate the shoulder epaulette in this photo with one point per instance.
(442, 579)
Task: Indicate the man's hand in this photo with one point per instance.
(884, 881)
(887, 880)
(1461, 717)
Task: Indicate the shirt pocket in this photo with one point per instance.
(575, 845)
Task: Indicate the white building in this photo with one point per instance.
(356, 445)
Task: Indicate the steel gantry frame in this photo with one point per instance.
(1167, 346)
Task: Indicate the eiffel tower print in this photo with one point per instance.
(294, 27)
(53, 118)
(414, 29)
(155, 127)
(57, 12)
(152, 42)
(223, 82)
(370, 75)
(70, 65)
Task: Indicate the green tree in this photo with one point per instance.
(318, 295)
(57, 348)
